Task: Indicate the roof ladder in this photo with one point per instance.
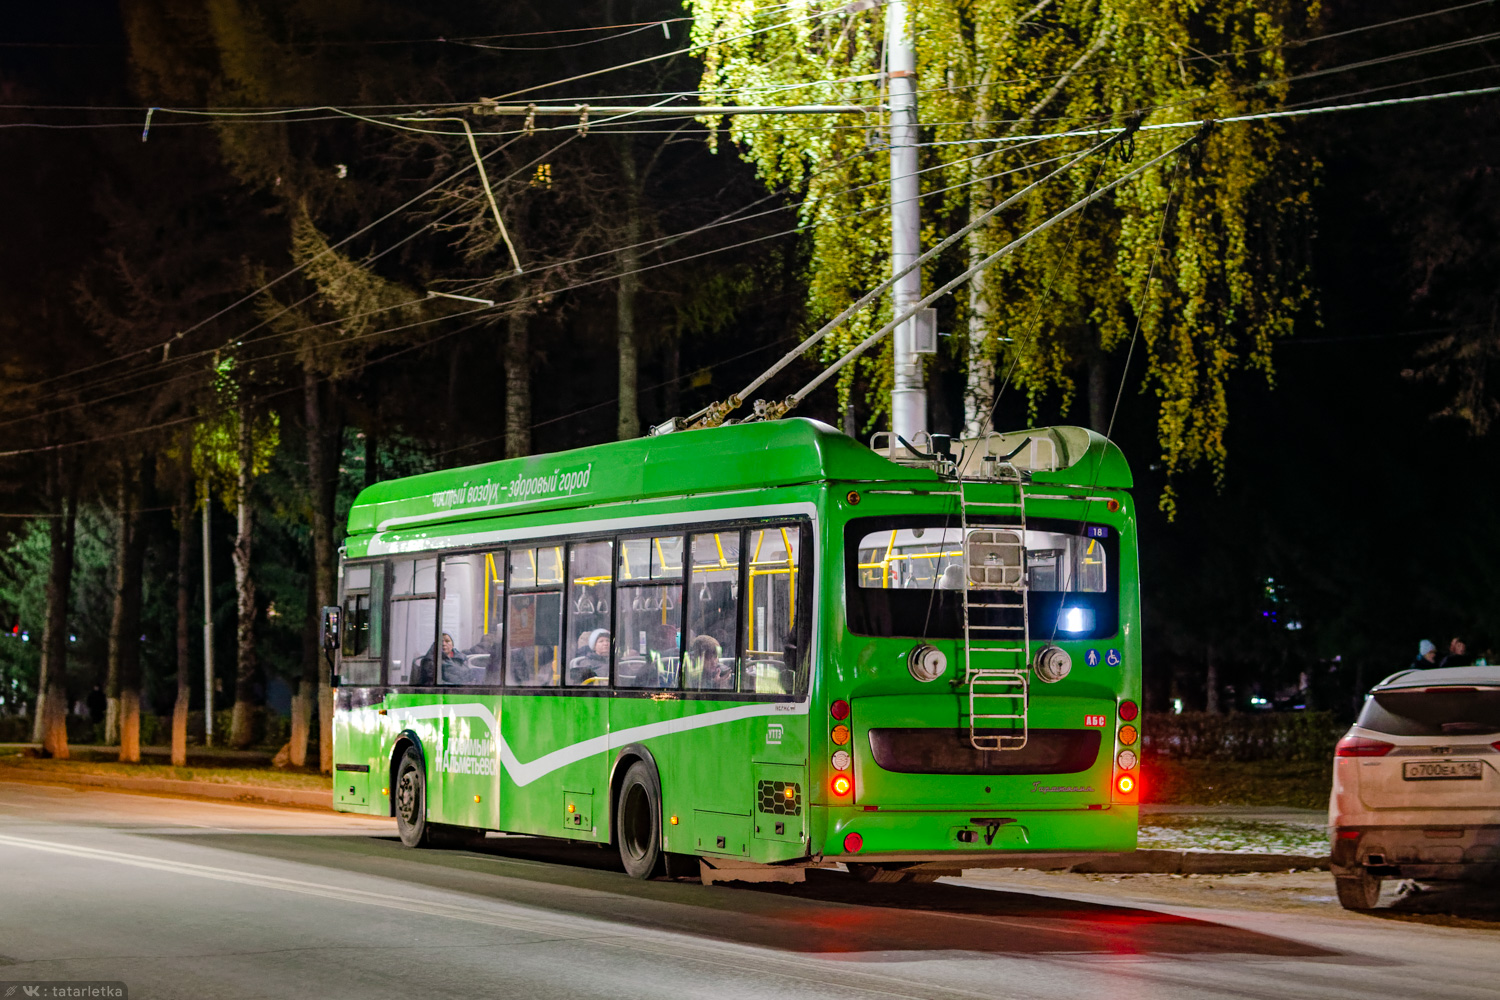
(996, 657)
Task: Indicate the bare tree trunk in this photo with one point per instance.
(372, 458)
(1211, 681)
(123, 723)
(241, 727)
(112, 678)
(52, 691)
(672, 394)
(323, 434)
(517, 386)
(185, 527)
(979, 389)
(629, 424)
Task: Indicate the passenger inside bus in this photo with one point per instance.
(704, 671)
(593, 666)
(531, 666)
(452, 669)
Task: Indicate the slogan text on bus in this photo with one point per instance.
(559, 483)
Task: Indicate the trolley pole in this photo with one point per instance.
(208, 631)
(909, 391)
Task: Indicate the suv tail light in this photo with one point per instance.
(1363, 746)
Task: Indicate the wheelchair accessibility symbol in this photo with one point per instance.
(1112, 657)
(1091, 657)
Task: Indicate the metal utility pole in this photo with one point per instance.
(208, 632)
(909, 392)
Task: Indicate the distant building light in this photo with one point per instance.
(1176, 706)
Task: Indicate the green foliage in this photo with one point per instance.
(1230, 278)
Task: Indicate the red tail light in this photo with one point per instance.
(842, 784)
(1128, 711)
(839, 710)
(1125, 783)
(853, 842)
(1363, 746)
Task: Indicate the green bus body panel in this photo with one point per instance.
(688, 463)
(517, 762)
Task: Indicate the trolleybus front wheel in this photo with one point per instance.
(411, 810)
(638, 823)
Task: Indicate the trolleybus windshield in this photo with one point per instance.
(905, 576)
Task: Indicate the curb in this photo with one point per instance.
(1153, 862)
(304, 798)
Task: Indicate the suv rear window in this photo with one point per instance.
(1435, 711)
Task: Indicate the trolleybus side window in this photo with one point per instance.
(413, 621)
(590, 589)
(772, 652)
(648, 653)
(711, 655)
(470, 620)
(534, 646)
(363, 606)
(905, 576)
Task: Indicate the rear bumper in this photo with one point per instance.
(1436, 851)
(975, 835)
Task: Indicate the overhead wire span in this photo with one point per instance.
(714, 414)
(610, 277)
(775, 410)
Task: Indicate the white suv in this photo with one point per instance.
(1416, 783)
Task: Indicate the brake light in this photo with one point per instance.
(839, 710)
(853, 842)
(1363, 746)
(1128, 711)
(842, 784)
(1125, 783)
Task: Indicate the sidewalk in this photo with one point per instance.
(239, 775)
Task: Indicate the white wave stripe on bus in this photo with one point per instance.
(524, 773)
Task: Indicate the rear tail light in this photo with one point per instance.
(839, 710)
(853, 842)
(1496, 744)
(1363, 746)
(841, 784)
(1348, 834)
(1128, 711)
(1125, 783)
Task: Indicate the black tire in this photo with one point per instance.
(638, 823)
(1358, 892)
(409, 799)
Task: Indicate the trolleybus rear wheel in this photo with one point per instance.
(638, 823)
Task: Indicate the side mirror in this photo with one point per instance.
(333, 629)
(995, 559)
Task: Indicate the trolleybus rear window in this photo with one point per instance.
(905, 577)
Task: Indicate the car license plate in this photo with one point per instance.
(1436, 770)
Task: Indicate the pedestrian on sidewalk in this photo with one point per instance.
(1426, 655)
(1458, 654)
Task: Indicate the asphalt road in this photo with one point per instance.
(204, 900)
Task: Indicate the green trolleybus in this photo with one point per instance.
(750, 650)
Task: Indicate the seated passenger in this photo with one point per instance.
(703, 668)
(593, 666)
(531, 666)
(453, 667)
